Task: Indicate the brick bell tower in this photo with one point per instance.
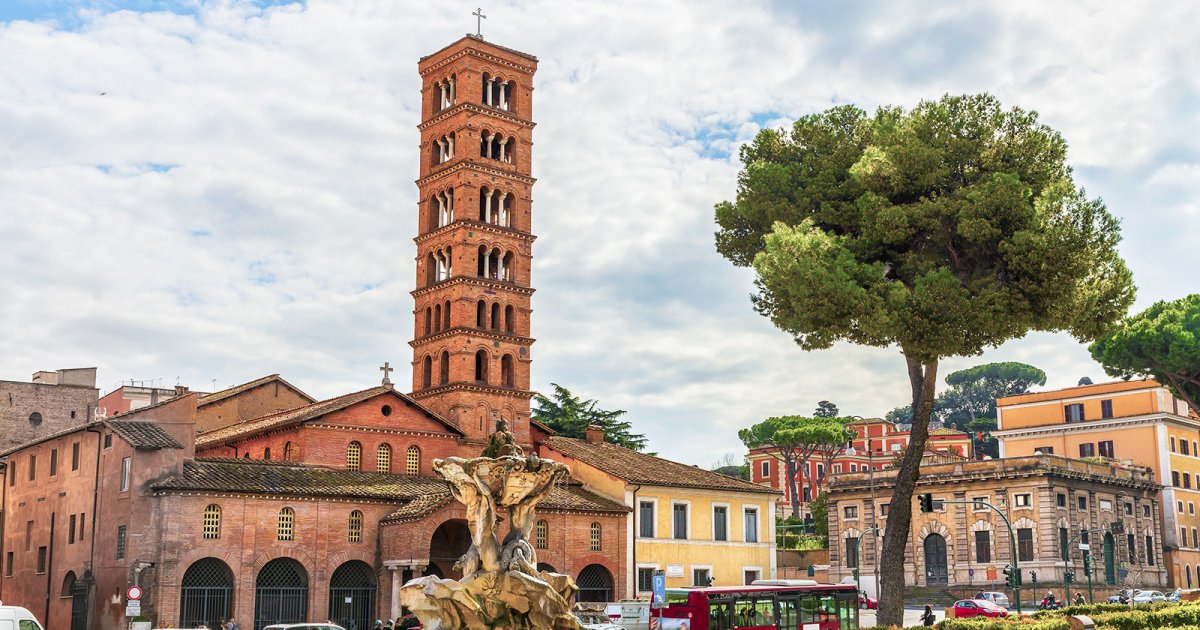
(471, 343)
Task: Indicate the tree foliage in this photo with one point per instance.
(819, 508)
(943, 230)
(1162, 342)
(797, 439)
(825, 409)
(570, 416)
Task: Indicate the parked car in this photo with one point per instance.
(996, 597)
(1148, 597)
(1175, 595)
(978, 607)
(866, 601)
(17, 618)
(596, 620)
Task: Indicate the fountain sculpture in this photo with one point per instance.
(501, 586)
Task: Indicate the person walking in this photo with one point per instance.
(1079, 599)
(927, 618)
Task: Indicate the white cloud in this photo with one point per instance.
(239, 200)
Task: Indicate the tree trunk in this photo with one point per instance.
(790, 465)
(923, 378)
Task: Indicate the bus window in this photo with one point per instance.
(677, 598)
(808, 608)
(720, 615)
(848, 610)
(787, 614)
(827, 610)
(753, 613)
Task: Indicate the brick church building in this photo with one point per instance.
(265, 505)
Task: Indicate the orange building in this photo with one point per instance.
(1136, 422)
(875, 445)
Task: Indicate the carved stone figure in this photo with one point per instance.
(501, 586)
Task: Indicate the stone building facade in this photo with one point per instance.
(1050, 500)
(49, 403)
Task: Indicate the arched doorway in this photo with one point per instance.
(542, 566)
(595, 584)
(449, 542)
(280, 593)
(206, 594)
(935, 560)
(352, 595)
(1110, 560)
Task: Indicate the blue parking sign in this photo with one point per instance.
(659, 585)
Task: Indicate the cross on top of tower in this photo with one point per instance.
(479, 17)
(387, 369)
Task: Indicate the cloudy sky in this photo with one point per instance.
(206, 192)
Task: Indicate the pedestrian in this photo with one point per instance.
(927, 618)
(1079, 599)
(231, 625)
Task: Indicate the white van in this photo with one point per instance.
(17, 618)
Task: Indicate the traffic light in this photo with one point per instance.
(1068, 577)
(856, 573)
(1033, 577)
(926, 502)
(1087, 565)
(1011, 578)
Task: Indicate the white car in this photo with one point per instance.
(1149, 597)
(596, 620)
(304, 626)
(996, 597)
(17, 618)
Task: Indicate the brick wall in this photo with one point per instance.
(60, 406)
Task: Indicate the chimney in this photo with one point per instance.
(180, 390)
(45, 377)
(595, 434)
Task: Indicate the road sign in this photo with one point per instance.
(659, 586)
(1084, 547)
(133, 608)
(971, 572)
(134, 593)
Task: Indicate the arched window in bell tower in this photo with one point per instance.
(506, 267)
(481, 314)
(506, 371)
(442, 149)
(430, 269)
(509, 316)
(446, 316)
(428, 320)
(437, 318)
(444, 368)
(481, 367)
(427, 371)
(496, 316)
(444, 92)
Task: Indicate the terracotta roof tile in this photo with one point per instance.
(646, 469)
(295, 416)
(571, 497)
(208, 399)
(264, 477)
(143, 435)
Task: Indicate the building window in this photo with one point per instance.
(1082, 501)
(1146, 511)
(412, 461)
(1106, 408)
(29, 535)
(1179, 506)
(1182, 536)
(1131, 545)
(720, 522)
(53, 462)
(1191, 507)
(701, 577)
(267, 453)
(125, 461)
(750, 522)
(75, 456)
(766, 469)
(120, 542)
(80, 527)
(212, 522)
(1074, 413)
(883, 510)
(1060, 500)
(1175, 478)
(41, 560)
(354, 456)
(679, 514)
(287, 451)
(383, 458)
(1195, 451)
(1183, 447)
(8, 564)
(12, 473)
(1022, 500)
(71, 531)
(594, 537)
(107, 440)
(1172, 444)
(285, 529)
(850, 512)
(983, 546)
(1087, 450)
(1150, 550)
(851, 551)
(1106, 505)
(1025, 544)
(1044, 450)
(1106, 449)
(1064, 539)
(750, 576)
(645, 577)
(1187, 570)
(1187, 480)
(35, 418)
(646, 519)
(1128, 509)
(33, 467)
(355, 529)
(541, 535)
(1195, 538)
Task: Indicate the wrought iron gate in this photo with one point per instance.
(280, 593)
(205, 595)
(595, 584)
(79, 603)
(352, 596)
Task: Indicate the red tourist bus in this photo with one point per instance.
(766, 604)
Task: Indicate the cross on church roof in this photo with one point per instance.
(387, 369)
(479, 17)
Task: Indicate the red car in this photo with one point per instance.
(976, 607)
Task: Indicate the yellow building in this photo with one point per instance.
(1138, 422)
(693, 524)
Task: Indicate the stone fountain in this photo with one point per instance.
(501, 586)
